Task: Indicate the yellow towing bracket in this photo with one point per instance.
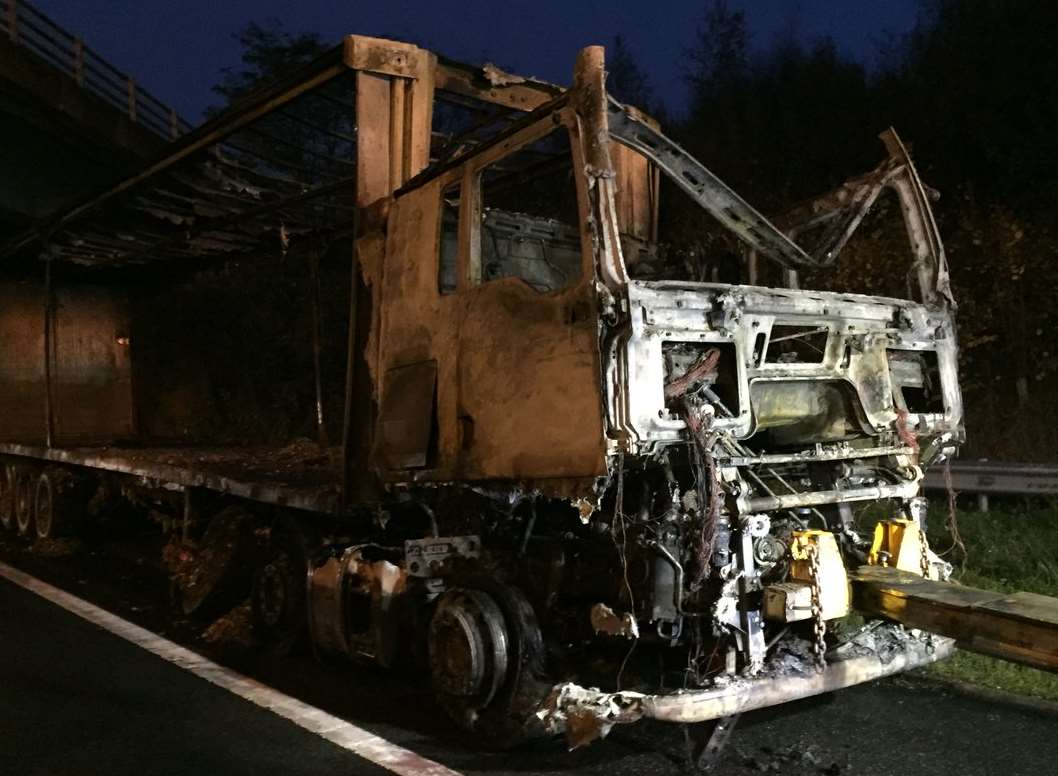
(1019, 627)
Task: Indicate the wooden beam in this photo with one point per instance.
(1018, 627)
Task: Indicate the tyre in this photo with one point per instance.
(278, 596)
(487, 662)
(23, 493)
(7, 499)
(45, 519)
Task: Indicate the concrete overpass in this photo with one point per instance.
(70, 122)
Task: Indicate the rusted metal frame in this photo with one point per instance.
(49, 335)
(524, 95)
(201, 230)
(707, 190)
(160, 197)
(600, 212)
(316, 127)
(317, 360)
(279, 164)
(324, 70)
(300, 148)
(242, 248)
(322, 95)
(350, 369)
(502, 137)
(222, 158)
(160, 241)
(452, 143)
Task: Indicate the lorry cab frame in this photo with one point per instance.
(685, 417)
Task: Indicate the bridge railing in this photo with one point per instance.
(28, 27)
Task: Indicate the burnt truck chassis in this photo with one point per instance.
(676, 545)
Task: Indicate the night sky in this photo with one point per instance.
(175, 49)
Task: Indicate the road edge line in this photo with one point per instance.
(338, 731)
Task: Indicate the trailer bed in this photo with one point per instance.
(300, 475)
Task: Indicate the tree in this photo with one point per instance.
(269, 53)
(311, 135)
(626, 80)
(719, 57)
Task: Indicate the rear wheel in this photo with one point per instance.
(486, 662)
(44, 508)
(279, 588)
(7, 499)
(23, 493)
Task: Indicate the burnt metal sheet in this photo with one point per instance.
(406, 418)
(90, 365)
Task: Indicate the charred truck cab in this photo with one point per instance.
(634, 482)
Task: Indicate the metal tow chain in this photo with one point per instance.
(819, 646)
(923, 552)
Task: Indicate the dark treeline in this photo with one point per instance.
(975, 84)
(973, 89)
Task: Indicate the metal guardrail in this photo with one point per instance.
(985, 478)
(27, 27)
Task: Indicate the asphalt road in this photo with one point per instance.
(75, 699)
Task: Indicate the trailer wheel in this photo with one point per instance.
(44, 507)
(7, 499)
(278, 602)
(486, 662)
(23, 497)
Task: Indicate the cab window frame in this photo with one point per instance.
(469, 273)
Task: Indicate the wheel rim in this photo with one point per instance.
(468, 647)
(44, 508)
(24, 502)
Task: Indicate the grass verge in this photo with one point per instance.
(1012, 547)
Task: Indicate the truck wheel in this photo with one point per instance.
(486, 662)
(277, 599)
(23, 497)
(44, 507)
(7, 499)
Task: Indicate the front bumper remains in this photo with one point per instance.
(585, 714)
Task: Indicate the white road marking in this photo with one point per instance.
(335, 729)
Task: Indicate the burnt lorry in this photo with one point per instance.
(581, 481)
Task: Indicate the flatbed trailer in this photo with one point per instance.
(299, 477)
